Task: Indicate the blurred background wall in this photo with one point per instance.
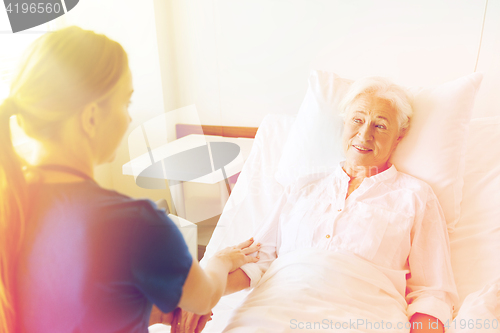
(237, 61)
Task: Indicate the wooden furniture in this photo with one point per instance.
(182, 130)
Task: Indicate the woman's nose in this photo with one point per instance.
(365, 132)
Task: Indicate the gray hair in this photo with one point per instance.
(383, 88)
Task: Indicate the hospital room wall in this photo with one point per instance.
(487, 101)
(240, 60)
(237, 61)
(132, 24)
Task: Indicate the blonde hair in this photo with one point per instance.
(397, 96)
(59, 74)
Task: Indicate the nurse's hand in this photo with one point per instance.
(203, 288)
(239, 255)
(188, 322)
(158, 317)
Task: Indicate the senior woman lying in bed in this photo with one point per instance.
(368, 210)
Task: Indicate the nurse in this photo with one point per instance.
(75, 257)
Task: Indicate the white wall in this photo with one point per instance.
(132, 24)
(248, 58)
(487, 101)
(240, 60)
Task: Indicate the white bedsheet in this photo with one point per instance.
(355, 293)
(480, 312)
(320, 290)
(473, 245)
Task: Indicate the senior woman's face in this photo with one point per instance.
(371, 132)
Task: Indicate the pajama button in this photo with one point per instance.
(327, 236)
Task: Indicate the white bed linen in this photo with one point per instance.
(480, 312)
(338, 292)
(475, 245)
(392, 219)
(312, 285)
(251, 201)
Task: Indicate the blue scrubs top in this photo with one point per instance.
(94, 260)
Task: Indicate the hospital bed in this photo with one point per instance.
(475, 237)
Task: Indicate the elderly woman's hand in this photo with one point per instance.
(424, 323)
(188, 322)
(158, 317)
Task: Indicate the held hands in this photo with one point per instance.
(233, 257)
(421, 322)
(187, 322)
(238, 255)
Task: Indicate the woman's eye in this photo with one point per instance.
(381, 126)
(357, 120)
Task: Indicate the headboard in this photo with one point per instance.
(182, 130)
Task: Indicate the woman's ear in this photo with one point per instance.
(402, 134)
(88, 119)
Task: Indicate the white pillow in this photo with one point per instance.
(480, 312)
(433, 150)
(314, 142)
(256, 192)
(475, 245)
